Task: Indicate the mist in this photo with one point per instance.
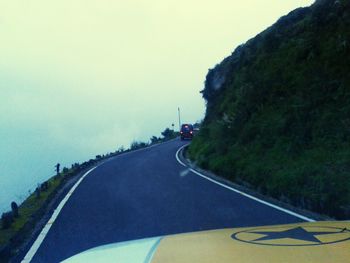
(81, 78)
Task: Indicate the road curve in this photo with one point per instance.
(147, 193)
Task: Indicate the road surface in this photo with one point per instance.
(146, 193)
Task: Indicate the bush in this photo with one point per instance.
(155, 139)
(14, 208)
(44, 186)
(7, 219)
(137, 145)
(168, 134)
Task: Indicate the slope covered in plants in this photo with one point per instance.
(278, 111)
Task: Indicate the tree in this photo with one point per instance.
(168, 134)
(154, 139)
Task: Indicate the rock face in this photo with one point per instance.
(278, 110)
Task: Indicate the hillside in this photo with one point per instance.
(278, 111)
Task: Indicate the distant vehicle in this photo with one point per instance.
(186, 131)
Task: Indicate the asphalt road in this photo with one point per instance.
(145, 194)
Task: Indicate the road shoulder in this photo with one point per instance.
(308, 214)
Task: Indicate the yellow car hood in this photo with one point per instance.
(305, 242)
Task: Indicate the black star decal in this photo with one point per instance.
(298, 233)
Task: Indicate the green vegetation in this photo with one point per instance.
(278, 111)
(27, 209)
(169, 134)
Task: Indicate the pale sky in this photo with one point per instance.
(83, 77)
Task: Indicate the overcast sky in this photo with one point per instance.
(82, 77)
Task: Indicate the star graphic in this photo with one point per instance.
(298, 233)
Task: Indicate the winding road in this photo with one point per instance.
(146, 193)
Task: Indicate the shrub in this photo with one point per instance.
(7, 219)
(137, 145)
(14, 208)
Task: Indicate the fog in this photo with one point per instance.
(80, 78)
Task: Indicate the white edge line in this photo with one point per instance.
(177, 155)
(34, 248)
(242, 193)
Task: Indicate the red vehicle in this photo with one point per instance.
(186, 131)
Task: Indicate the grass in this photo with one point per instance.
(28, 209)
(32, 210)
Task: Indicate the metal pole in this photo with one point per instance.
(178, 109)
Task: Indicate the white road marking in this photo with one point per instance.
(30, 254)
(177, 155)
(34, 248)
(184, 172)
(242, 193)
